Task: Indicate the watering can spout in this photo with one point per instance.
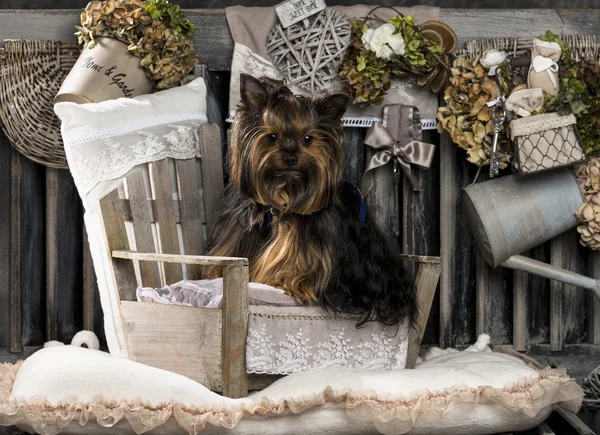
(535, 267)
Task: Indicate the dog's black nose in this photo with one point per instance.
(290, 160)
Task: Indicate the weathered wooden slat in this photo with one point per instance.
(574, 422)
(493, 310)
(183, 340)
(544, 429)
(420, 217)
(142, 228)
(593, 304)
(14, 287)
(579, 359)
(568, 310)
(355, 154)
(162, 192)
(211, 38)
(520, 309)
(189, 176)
(448, 199)
(51, 253)
(538, 293)
(383, 202)
(426, 281)
(9, 357)
(458, 251)
(531, 303)
(32, 251)
(90, 286)
(235, 324)
(558, 247)
(260, 382)
(507, 23)
(5, 228)
(181, 259)
(212, 170)
(69, 247)
(419, 258)
(217, 97)
(116, 239)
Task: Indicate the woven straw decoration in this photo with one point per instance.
(310, 56)
(582, 46)
(31, 73)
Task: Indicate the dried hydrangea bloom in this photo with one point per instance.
(466, 116)
(154, 30)
(588, 178)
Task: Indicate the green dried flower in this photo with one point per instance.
(154, 30)
(565, 48)
(367, 77)
(579, 94)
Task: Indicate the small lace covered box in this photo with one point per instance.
(546, 141)
(286, 340)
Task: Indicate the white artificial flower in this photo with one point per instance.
(383, 41)
(366, 37)
(492, 58)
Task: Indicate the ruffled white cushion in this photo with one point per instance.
(63, 388)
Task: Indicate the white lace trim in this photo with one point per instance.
(288, 341)
(546, 44)
(362, 122)
(107, 158)
(134, 126)
(540, 123)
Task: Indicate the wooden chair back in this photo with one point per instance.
(164, 207)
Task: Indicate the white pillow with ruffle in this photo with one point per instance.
(106, 141)
(73, 390)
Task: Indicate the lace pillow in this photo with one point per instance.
(103, 141)
(62, 388)
(106, 141)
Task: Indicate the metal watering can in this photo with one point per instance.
(513, 214)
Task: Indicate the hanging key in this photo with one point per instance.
(498, 119)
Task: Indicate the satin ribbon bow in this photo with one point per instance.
(404, 150)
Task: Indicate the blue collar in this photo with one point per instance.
(362, 215)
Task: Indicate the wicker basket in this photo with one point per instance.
(31, 73)
(582, 46)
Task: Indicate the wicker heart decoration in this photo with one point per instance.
(310, 57)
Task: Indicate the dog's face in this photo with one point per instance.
(286, 150)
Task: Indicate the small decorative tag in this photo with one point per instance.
(293, 11)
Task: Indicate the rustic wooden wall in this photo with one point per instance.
(218, 4)
(54, 294)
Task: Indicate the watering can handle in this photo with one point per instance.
(520, 262)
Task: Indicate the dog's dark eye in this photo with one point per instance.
(308, 139)
(272, 137)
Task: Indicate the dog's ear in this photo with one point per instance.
(253, 93)
(333, 106)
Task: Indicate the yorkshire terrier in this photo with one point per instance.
(288, 210)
